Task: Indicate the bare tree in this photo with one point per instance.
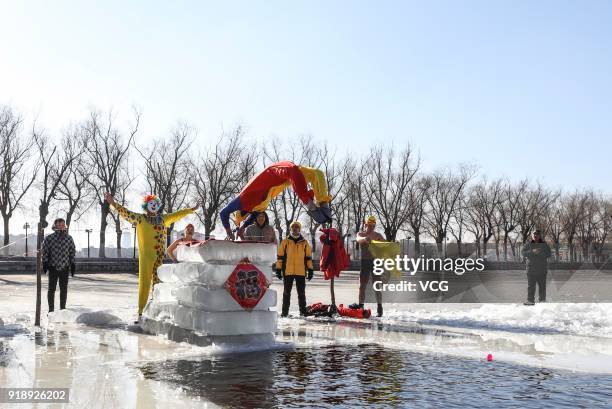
(589, 224)
(14, 180)
(572, 214)
(220, 173)
(532, 207)
(55, 163)
(107, 149)
(74, 189)
(487, 200)
(355, 192)
(604, 218)
(508, 208)
(458, 226)
(554, 223)
(167, 167)
(287, 207)
(443, 198)
(418, 193)
(389, 176)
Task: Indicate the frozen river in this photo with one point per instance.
(426, 354)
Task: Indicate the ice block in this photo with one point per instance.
(160, 311)
(164, 292)
(210, 275)
(226, 252)
(204, 298)
(225, 323)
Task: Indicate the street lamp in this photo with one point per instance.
(26, 227)
(88, 231)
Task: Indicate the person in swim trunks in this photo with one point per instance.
(366, 271)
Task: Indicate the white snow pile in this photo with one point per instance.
(10, 330)
(86, 316)
(587, 319)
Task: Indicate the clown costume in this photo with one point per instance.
(151, 231)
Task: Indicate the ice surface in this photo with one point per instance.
(228, 252)
(226, 323)
(219, 299)
(85, 316)
(164, 292)
(210, 275)
(589, 319)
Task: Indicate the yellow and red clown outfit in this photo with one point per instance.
(151, 231)
(269, 183)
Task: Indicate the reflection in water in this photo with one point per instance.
(373, 376)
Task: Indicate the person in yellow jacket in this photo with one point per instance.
(151, 230)
(294, 263)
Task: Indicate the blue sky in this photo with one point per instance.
(521, 88)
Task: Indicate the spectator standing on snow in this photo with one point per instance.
(294, 263)
(58, 252)
(536, 253)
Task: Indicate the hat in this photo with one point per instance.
(295, 223)
(371, 220)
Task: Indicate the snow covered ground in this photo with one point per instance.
(94, 349)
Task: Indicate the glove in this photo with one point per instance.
(310, 274)
(45, 268)
(279, 274)
(72, 269)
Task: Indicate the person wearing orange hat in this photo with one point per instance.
(366, 271)
(294, 263)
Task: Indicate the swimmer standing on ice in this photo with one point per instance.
(366, 271)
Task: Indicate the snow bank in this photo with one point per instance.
(587, 319)
(9, 330)
(85, 316)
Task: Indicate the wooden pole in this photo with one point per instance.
(39, 240)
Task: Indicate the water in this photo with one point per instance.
(376, 376)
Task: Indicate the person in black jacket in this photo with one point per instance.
(536, 253)
(58, 253)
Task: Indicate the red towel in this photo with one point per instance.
(334, 258)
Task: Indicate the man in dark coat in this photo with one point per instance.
(536, 253)
(58, 253)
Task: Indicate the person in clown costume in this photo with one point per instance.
(151, 230)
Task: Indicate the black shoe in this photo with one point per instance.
(284, 315)
(541, 300)
(379, 311)
(530, 303)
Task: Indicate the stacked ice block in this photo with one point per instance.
(195, 304)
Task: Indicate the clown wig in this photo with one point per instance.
(147, 199)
